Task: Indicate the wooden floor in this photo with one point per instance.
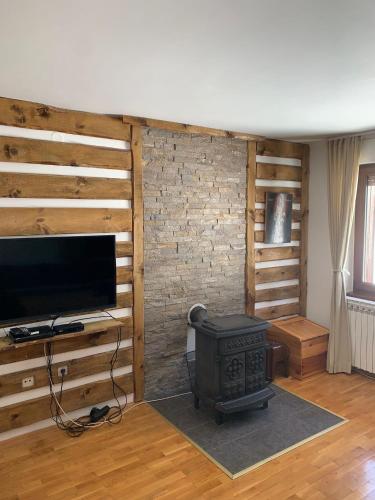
(145, 458)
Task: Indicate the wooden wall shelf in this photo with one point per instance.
(90, 328)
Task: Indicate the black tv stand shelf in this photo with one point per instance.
(90, 328)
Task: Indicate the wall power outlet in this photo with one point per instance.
(27, 382)
(62, 370)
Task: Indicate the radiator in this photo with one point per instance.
(362, 332)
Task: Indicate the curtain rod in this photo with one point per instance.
(363, 134)
(366, 135)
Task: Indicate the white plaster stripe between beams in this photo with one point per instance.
(124, 261)
(124, 288)
(21, 397)
(85, 318)
(31, 364)
(62, 203)
(49, 422)
(50, 135)
(125, 236)
(272, 303)
(277, 245)
(276, 284)
(259, 226)
(294, 162)
(276, 263)
(43, 169)
(277, 183)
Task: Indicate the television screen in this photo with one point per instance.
(49, 276)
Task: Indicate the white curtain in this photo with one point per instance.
(343, 168)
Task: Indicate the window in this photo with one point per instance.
(364, 245)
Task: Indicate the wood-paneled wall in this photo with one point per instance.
(58, 218)
(276, 276)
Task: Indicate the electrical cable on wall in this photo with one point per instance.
(97, 417)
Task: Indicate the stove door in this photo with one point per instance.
(255, 370)
(233, 376)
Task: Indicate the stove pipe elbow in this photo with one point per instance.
(197, 313)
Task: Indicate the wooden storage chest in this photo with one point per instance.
(307, 342)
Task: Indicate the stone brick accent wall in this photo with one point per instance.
(195, 202)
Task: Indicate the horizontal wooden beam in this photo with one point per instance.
(269, 274)
(14, 185)
(125, 299)
(260, 193)
(124, 249)
(270, 171)
(11, 383)
(276, 253)
(259, 215)
(284, 292)
(278, 311)
(34, 410)
(25, 114)
(259, 235)
(124, 275)
(29, 221)
(188, 129)
(281, 149)
(16, 149)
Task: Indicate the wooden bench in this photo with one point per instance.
(307, 342)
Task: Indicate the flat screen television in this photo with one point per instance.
(44, 277)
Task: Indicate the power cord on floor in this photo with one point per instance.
(155, 400)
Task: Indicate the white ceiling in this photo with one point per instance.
(282, 68)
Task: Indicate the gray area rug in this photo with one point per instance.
(247, 440)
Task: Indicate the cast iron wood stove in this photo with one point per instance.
(230, 362)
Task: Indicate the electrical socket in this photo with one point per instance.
(62, 369)
(27, 382)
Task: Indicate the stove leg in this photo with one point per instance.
(196, 402)
(265, 405)
(219, 417)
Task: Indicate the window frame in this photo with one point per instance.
(361, 289)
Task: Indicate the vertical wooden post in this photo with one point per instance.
(305, 161)
(138, 264)
(250, 228)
